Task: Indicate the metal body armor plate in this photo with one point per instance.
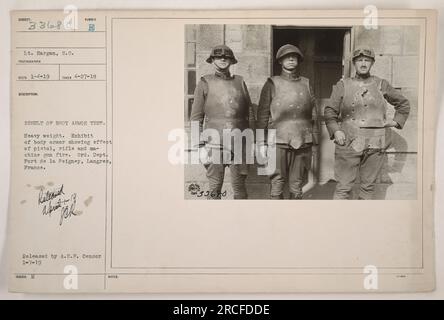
(226, 105)
(363, 113)
(291, 112)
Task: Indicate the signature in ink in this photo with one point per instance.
(53, 201)
(45, 196)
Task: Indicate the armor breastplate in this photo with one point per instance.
(363, 103)
(226, 105)
(363, 109)
(291, 112)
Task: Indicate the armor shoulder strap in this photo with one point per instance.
(276, 80)
(378, 82)
(208, 79)
(209, 76)
(238, 78)
(273, 86)
(346, 82)
(380, 85)
(306, 82)
(239, 82)
(304, 79)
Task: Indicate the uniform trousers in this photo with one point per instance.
(292, 166)
(216, 174)
(349, 164)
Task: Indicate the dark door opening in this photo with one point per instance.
(324, 51)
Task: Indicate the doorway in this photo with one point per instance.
(326, 54)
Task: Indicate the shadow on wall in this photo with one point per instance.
(394, 163)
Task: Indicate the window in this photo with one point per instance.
(190, 69)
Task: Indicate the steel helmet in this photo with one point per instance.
(363, 51)
(287, 49)
(221, 51)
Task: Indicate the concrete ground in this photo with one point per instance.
(391, 186)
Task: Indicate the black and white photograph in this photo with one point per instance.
(122, 119)
(318, 112)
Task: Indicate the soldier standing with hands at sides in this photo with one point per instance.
(286, 105)
(356, 121)
(222, 101)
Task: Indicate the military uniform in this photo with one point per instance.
(358, 108)
(286, 105)
(222, 101)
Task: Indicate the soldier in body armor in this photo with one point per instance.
(286, 105)
(356, 121)
(222, 102)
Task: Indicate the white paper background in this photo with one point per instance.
(5, 7)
